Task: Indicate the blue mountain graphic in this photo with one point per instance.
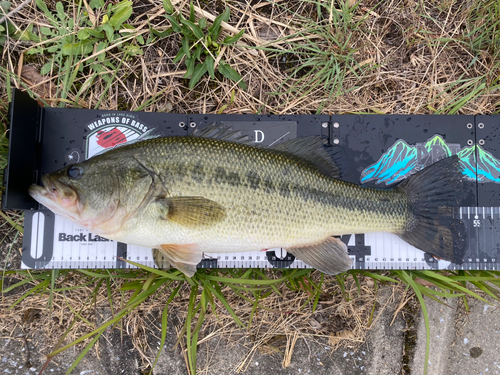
(393, 166)
(488, 167)
(467, 157)
(400, 161)
(438, 141)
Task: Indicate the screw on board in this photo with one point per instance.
(469, 126)
(182, 124)
(336, 141)
(192, 124)
(336, 124)
(470, 142)
(324, 125)
(480, 125)
(481, 142)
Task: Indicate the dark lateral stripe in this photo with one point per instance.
(284, 189)
(341, 198)
(233, 179)
(198, 172)
(269, 186)
(220, 176)
(253, 180)
(363, 202)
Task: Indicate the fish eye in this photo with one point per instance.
(75, 172)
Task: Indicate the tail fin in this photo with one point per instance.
(433, 192)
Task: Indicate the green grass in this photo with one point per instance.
(321, 61)
(146, 284)
(201, 44)
(481, 43)
(320, 55)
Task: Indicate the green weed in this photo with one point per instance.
(60, 39)
(74, 45)
(201, 47)
(4, 9)
(252, 285)
(320, 55)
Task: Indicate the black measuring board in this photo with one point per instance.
(486, 219)
(373, 150)
(23, 144)
(268, 130)
(487, 153)
(413, 141)
(383, 150)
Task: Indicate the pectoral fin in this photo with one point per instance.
(183, 257)
(192, 211)
(329, 256)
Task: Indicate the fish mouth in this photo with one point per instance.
(52, 194)
(48, 191)
(49, 185)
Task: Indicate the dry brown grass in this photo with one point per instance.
(276, 325)
(405, 56)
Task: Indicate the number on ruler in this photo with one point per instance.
(476, 222)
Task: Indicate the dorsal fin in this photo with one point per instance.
(221, 132)
(311, 149)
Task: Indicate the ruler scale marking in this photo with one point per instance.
(387, 250)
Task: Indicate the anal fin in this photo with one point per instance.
(329, 256)
(183, 257)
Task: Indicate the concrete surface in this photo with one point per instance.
(380, 355)
(460, 344)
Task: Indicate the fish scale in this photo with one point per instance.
(295, 210)
(192, 195)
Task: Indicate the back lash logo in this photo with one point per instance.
(80, 237)
(111, 130)
(402, 160)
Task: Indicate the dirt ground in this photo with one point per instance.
(296, 57)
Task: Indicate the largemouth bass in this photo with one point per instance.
(186, 196)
